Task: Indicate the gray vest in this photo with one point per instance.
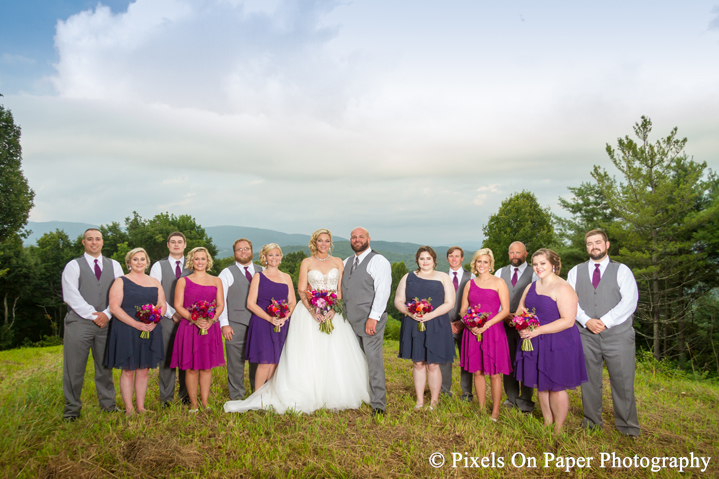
(358, 303)
(455, 314)
(598, 302)
(236, 304)
(169, 280)
(95, 292)
(516, 292)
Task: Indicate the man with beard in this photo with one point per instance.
(517, 275)
(167, 271)
(235, 318)
(366, 285)
(608, 297)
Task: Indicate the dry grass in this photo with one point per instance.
(678, 417)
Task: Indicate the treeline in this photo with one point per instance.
(661, 213)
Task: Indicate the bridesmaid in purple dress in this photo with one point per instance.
(489, 356)
(195, 353)
(557, 362)
(264, 345)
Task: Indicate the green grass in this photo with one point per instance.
(678, 417)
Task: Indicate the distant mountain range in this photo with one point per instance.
(223, 237)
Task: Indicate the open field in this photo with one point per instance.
(678, 417)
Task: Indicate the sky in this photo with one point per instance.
(413, 119)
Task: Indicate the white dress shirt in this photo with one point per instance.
(627, 288)
(381, 272)
(71, 286)
(520, 271)
(459, 272)
(156, 272)
(228, 280)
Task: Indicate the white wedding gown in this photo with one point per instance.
(316, 370)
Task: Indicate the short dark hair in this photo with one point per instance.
(596, 232)
(453, 249)
(425, 249)
(176, 233)
(90, 229)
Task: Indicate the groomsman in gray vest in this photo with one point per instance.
(366, 285)
(518, 275)
(460, 277)
(608, 297)
(86, 285)
(235, 318)
(167, 271)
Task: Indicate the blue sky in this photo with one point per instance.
(415, 119)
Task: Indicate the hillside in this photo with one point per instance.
(678, 416)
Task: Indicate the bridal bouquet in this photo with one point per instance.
(526, 320)
(420, 307)
(324, 301)
(202, 310)
(278, 309)
(475, 319)
(148, 313)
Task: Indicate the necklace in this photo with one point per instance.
(320, 259)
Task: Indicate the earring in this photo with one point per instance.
(553, 269)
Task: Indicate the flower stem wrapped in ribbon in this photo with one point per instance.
(526, 320)
(278, 309)
(148, 313)
(324, 301)
(420, 307)
(203, 310)
(475, 319)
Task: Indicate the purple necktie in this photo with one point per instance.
(455, 282)
(178, 271)
(247, 273)
(596, 276)
(514, 278)
(98, 271)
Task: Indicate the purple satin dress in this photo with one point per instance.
(264, 345)
(491, 354)
(557, 362)
(191, 350)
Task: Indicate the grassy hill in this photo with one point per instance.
(678, 417)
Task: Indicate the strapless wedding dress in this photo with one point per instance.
(316, 370)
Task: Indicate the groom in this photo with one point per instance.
(366, 285)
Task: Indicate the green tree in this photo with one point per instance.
(399, 269)
(16, 197)
(152, 234)
(519, 218)
(662, 204)
(290, 264)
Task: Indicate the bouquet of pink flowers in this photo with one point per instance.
(526, 320)
(278, 309)
(420, 307)
(475, 319)
(203, 310)
(148, 313)
(324, 301)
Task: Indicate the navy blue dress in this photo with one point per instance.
(436, 344)
(125, 349)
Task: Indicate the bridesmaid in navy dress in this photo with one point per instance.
(427, 349)
(264, 345)
(125, 349)
(557, 362)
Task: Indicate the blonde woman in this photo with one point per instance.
(194, 352)
(126, 350)
(264, 343)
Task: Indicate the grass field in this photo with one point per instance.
(679, 417)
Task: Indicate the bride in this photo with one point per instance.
(316, 370)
